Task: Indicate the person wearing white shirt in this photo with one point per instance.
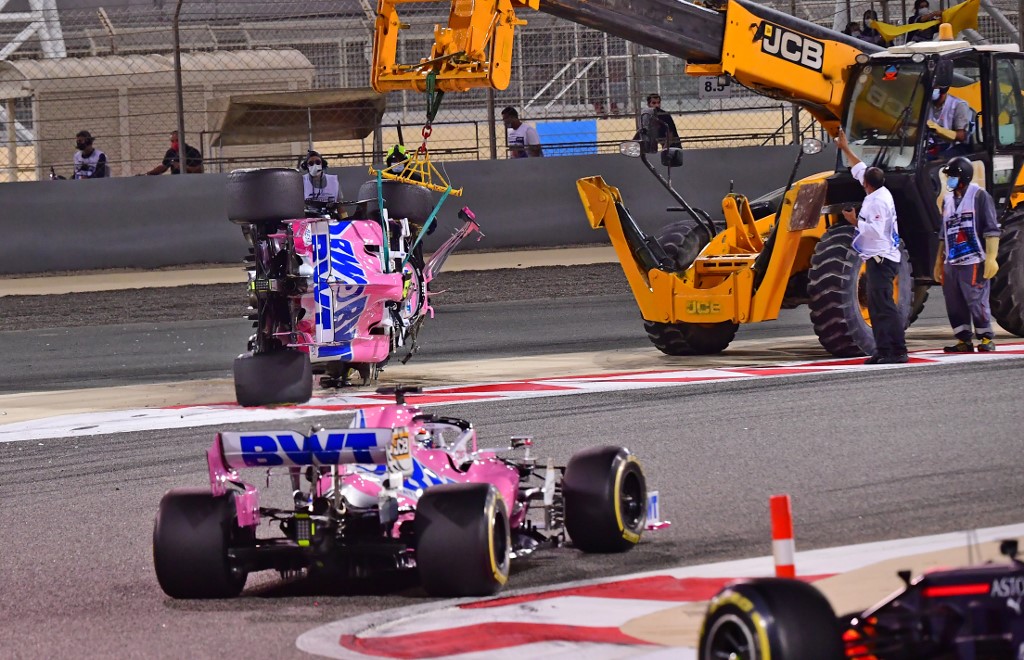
(523, 140)
(877, 241)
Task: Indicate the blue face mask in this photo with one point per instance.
(936, 93)
(952, 182)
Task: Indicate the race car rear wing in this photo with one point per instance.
(326, 447)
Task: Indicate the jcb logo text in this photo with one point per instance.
(790, 46)
(700, 308)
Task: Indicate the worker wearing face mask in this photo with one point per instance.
(967, 258)
(923, 14)
(90, 162)
(317, 185)
(949, 119)
(397, 159)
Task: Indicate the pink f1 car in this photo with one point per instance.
(398, 490)
(328, 296)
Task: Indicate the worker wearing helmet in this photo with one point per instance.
(966, 260)
(396, 159)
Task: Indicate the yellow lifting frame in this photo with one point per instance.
(419, 171)
(475, 50)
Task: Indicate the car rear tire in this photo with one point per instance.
(1007, 294)
(835, 286)
(462, 540)
(402, 200)
(605, 496)
(264, 195)
(191, 537)
(770, 618)
(264, 379)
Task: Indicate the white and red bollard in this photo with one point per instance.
(783, 545)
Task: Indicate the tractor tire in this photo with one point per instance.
(836, 287)
(682, 241)
(462, 540)
(191, 537)
(264, 196)
(605, 497)
(402, 200)
(767, 618)
(1007, 294)
(691, 338)
(266, 379)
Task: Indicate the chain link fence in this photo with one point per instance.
(262, 82)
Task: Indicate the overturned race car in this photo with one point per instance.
(329, 296)
(398, 490)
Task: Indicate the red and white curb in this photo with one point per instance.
(150, 419)
(586, 619)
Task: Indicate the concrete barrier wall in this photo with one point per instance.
(151, 222)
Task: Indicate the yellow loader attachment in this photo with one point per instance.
(474, 50)
(742, 274)
(419, 171)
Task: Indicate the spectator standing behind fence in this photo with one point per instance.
(193, 159)
(923, 14)
(522, 139)
(90, 162)
(656, 127)
(867, 31)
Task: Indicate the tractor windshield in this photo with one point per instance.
(884, 113)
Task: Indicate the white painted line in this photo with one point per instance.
(149, 419)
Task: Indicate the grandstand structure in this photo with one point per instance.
(566, 78)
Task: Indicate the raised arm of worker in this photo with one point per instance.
(857, 168)
(851, 158)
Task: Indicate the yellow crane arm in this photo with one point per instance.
(473, 50)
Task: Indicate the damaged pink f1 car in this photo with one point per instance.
(328, 296)
(398, 490)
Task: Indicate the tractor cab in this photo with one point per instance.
(892, 108)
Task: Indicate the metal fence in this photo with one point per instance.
(110, 71)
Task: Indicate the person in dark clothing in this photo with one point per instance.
(923, 14)
(967, 258)
(90, 162)
(656, 129)
(867, 32)
(171, 161)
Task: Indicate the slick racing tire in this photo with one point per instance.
(683, 240)
(1007, 294)
(770, 619)
(193, 532)
(402, 200)
(462, 540)
(605, 496)
(691, 338)
(264, 195)
(837, 288)
(265, 379)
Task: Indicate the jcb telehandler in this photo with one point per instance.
(798, 250)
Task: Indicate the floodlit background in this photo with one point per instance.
(108, 67)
